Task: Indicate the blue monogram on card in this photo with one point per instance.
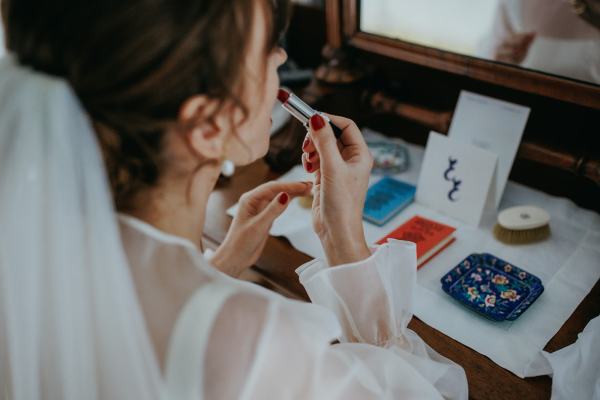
(455, 181)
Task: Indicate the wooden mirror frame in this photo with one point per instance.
(343, 30)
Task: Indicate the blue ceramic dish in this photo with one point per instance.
(492, 287)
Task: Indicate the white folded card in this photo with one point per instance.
(493, 125)
(457, 178)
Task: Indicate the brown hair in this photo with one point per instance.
(133, 63)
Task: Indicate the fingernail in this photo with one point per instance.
(311, 154)
(283, 198)
(306, 143)
(309, 166)
(317, 122)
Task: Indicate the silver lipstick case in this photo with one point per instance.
(301, 110)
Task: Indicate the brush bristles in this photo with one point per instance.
(511, 236)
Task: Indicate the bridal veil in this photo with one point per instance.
(68, 307)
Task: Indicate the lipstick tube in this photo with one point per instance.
(302, 111)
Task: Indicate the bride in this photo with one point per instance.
(115, 118)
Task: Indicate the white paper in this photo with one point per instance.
(456, 178)
(493, 125)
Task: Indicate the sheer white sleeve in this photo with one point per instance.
(262, 346)
(373, 301)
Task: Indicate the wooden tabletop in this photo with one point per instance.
(279, 260)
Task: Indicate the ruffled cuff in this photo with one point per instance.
(372, 298)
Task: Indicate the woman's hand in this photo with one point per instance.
(342, 170)
(249, 230)
(514, 48)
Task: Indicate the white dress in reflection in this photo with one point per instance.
(564, 44)
(226, 338)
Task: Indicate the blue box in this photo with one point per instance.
(387, 198)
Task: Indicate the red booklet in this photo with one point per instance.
(430, 236)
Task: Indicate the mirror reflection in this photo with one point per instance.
(556, 36)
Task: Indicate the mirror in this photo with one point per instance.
(559, 37)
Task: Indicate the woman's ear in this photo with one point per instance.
(204, 130)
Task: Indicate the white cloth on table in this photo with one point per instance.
(234, 339)
(568, 263)
(576, 368)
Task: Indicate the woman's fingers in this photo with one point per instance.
(317, 182)
(521, 39)
(322, 148)
(321, 135)
(348, 128)
(273, 209)
(310, 165)
(268, 191)
(310, 161)
(313, 157)
(351, 135)
(307, 145)
(515, 48)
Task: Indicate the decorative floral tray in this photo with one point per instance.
(492, 287)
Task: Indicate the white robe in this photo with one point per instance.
(564, 44)
(234, 339)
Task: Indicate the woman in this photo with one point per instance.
(171, 89)
(560, 37)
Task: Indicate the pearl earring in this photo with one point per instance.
(227, 168)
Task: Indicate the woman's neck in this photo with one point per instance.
(178, 206)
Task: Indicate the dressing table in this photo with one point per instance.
(404, 90)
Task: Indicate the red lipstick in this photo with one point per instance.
(302, 111)
(283, 95)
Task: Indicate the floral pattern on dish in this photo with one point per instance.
(492, 287)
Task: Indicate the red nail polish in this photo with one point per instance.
(305, 144)
(309, 166)
(283, 198)
(311, 154)
(317, 122)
